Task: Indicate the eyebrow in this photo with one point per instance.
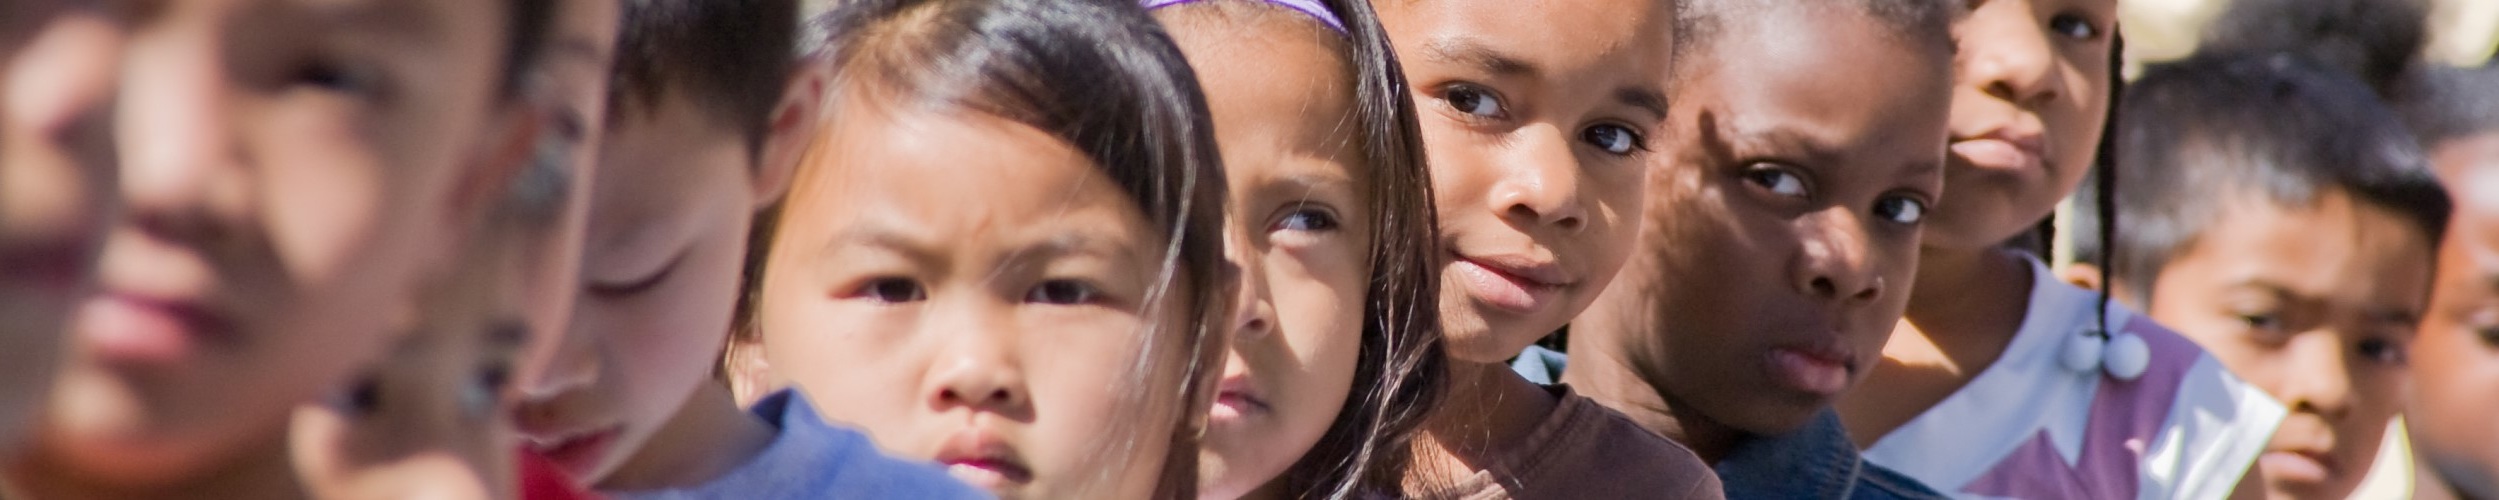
(1647, 99)
(884, 236)
(1467, 50)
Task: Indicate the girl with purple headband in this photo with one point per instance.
(1335, 348)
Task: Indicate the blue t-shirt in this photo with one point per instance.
(811, 459)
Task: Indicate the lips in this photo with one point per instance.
(1820, 369)
(1235, 398)
(2297, 466)
(2003, 149)
(579, 451)
(130, 328)
(1514, 283)
(984, 460)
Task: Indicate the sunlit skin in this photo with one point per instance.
(1014, 340)
(282, 197)
(1536, 121)
(1277, 85)
(2455, 361)
(2315, 305)
(2030, 95)
(1783, 218)
(56, 180)
(668, 221)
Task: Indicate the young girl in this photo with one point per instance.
(284, 196)
(1538, 118)
(1335, 353)
(2001, 380)
(57, 61)
(1002, 253)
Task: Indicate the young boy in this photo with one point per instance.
(1536, 120)
(2277, 214)
(1782, 233)
(705, 122)
(57, 62)
(283, 196)
(2455, 361)
(2000, 380)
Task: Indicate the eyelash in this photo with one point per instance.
(1319, 219)
(897, 290)
(1451, 94)
(638, 286)
(2066, 24)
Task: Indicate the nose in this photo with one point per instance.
(1834, 260)
(175, 135)
(2322, 385)
(1541, 185)
(554, 366)
(1253, 312)
(979, 369)
(2017, 62)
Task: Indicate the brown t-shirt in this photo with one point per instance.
(1584, 450)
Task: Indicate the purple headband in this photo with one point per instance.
(1311, 7)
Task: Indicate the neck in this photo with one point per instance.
(1968, 297)
(1489, 410)
(1600, 372)
(261, 472)
(709, 437)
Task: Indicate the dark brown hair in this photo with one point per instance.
(1104, 78)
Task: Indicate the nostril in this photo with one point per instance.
(1568, 223)
(1825, 288)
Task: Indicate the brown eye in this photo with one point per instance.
(1474, 101)
(1063, 292)
(894, 290)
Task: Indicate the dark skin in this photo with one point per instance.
(1788, 205)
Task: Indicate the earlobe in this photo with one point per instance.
(2081, 274)
(792, 130)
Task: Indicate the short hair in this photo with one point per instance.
(2377, 41)
(1925, 24)
(1101, 76)
(2197, 134)
(2454, 103)
(730, 58)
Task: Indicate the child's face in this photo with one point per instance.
(1784, 228)
(1301, 232)
(1536, 119)
(282, 195)
(573, 72)
(2315, 305)
(1001, 338)
(2031, 95)
(426, 423)
(2456, 360)
(666, 239)
(56, 179)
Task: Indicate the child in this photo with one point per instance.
(56, 179)
(283, 194)
(1058, 337)
(2279, 216)
(2455, 361)
(428, 421)
(1538, 123)
(1782, 235)
(702, 129)
(1335, 353)
(2002, 381)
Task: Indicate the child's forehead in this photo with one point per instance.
(1564, 41)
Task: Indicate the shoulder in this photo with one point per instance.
(1587, 450)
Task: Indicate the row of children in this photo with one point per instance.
(1220, 249)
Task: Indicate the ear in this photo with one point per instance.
(792, 129)
(2081, 274)
(749, 375)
